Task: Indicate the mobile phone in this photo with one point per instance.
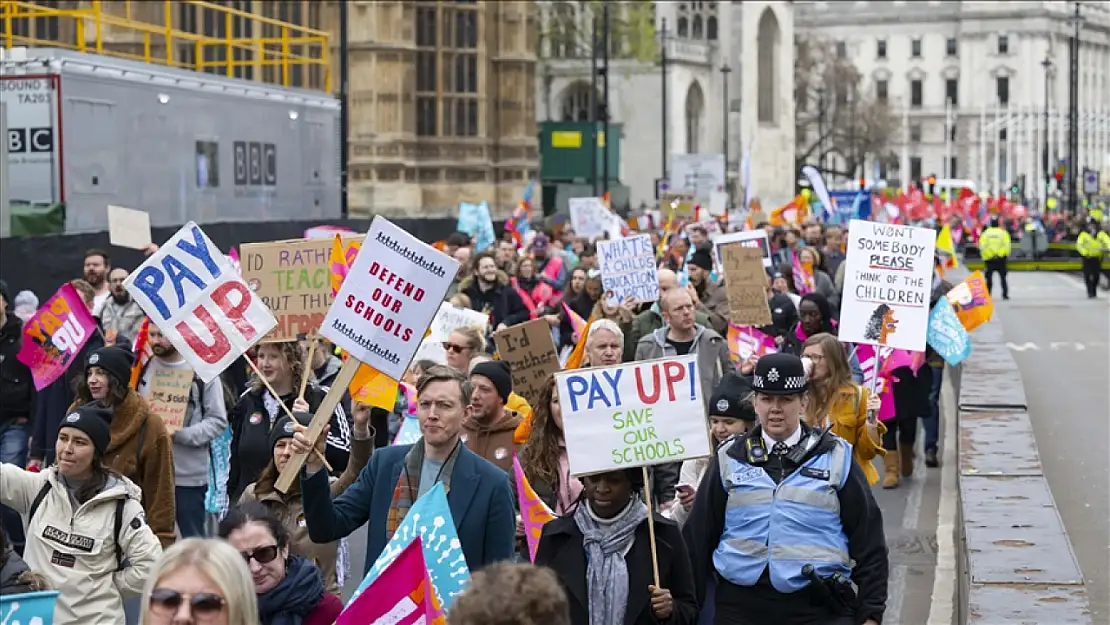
(685, 489)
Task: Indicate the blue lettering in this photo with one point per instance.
(178, 273)
(150, 281)
(199, 250)
(576, 387)
(614, 378)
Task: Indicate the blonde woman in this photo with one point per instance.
(462, 345)
(200, 581)
(834, 399)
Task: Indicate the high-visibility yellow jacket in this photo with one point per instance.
(994, 243)
(1088, 246)
(1104, 239)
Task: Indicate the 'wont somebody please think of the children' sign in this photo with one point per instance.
(194, 295)
(633, 415)
(888, 283)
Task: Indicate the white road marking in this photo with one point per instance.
(944, 575)
(1022, 347)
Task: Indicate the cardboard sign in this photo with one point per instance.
(194, 295)
(530, 352)
(684, 205)
(888, 281)
(746, 285)
(293, 278)
(749, 238)
(128, 227)
(633, 415)
(168, 393)
(54, 336)
(388, 299)
(592, 219)
(628, 269)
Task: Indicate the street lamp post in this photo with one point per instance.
(821, 129)
(725, 71)
(1047, 65)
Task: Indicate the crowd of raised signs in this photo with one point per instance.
(457, 394)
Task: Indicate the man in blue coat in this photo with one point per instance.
(478, 493)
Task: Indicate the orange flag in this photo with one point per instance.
(534, 513)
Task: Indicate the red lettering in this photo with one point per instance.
(673, 372)
(396, 308)
(235, 313)
(407, 335)
(656, 387)
(375, 268)
(351, 302)
(407, 292)
(358, 306)
(419, 295)
(209, 353)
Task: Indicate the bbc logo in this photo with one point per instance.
(255, 164)
(23, 140)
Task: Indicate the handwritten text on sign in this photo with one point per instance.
(628, 269)
(746, 285)
(388, 298)
(200, 303)
(887, 286)
(632, 415)
(530, 352)
(54, 336)
(168, 395)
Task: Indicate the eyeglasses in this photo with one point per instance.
(262, 555)
(814, 357)
(451, 347)
(202, 604)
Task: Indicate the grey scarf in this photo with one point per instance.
(606, 542)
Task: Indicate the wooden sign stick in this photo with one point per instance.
(651, 526)
(308, 366)
(289, 412)
(319, 422)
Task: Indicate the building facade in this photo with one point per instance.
(972, 83)
(684, 107)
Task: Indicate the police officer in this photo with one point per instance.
(1091, 245)
(994, 249)
(795, 569)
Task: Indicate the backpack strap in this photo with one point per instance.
(43, 492)
(118, 528)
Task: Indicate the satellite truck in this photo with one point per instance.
(85, 131)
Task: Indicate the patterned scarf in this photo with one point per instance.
(407, 490)
(606, 542)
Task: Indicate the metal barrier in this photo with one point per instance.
(1015, 561)
(189, 34)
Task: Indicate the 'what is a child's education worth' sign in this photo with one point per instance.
(628, 269)
(633, 415)
(887, 286)
(194, 295)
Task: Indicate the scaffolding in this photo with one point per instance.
(219, 39)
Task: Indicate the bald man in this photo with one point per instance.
(651, 319)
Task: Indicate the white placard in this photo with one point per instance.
(628, 269)
(128, 227)
(888, 280)
(699, 174)
(591, 218)
(633, 415)
(450, 318)
(391, 294)
(748, 238)
(197, 299)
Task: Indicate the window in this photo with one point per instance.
(1003, 44)
(915, 133)
(952, 173)
(915, 48)
(952, 131)
(880, 48)
(447, 67)
(881, 90)
(711, 28)
(915, 168)
(1002, 135)
(1002, 88)
(208, 164)
(952, 91)
(426, 71)
(426, 26)
(915, 93)
(425, 116)
(841, 50)
(950, 47)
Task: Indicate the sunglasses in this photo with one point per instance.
(451, 347)
(168, 600)
(262, 555)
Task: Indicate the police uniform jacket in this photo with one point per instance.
(769, 587)
(74, 546)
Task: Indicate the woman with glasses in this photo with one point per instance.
(202, 581)
(462, 345)
(289, 588)
(837, 400)
(815, 316)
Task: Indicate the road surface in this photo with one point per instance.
(1061, 343)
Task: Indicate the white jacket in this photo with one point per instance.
(75, 549)
(691, 473)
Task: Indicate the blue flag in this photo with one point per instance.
(947, 335)
(475, 220)
(29, 608)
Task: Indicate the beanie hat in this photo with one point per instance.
(93, 420)
(702, 259)
(729, 399)
(283, 427)
(115, 360)
(498, 372)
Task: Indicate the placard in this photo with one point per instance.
(745, 285)
(168, 391)
(388, 299)
(748, 238)
(628, 269)
(194, 295)
(633, 415)
(683, 204)
(530, 352)
(592, 219)
(54, 335)
(888, 280)
(128, 227)
(293, 278)
(450, 318)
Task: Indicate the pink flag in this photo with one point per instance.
(401, 595)
(875, 377)
(577, 324)
(803, 276)
(743, 341)
(533, 511)
(898, 358)
(54, 335)
(410, 398)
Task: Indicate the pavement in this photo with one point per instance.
(1061, 343)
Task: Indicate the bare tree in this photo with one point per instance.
(837, 111)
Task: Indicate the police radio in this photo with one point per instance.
(799, 452)
(757, 452)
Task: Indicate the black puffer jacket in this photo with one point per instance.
(12, 568)
(17, 388)
(502, 303)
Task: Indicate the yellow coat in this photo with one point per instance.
(848, 415)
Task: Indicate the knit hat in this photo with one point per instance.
(702, 259)
(729, 399)
(498, 372)
(283, 427)
(116, 360)
(94, 421)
